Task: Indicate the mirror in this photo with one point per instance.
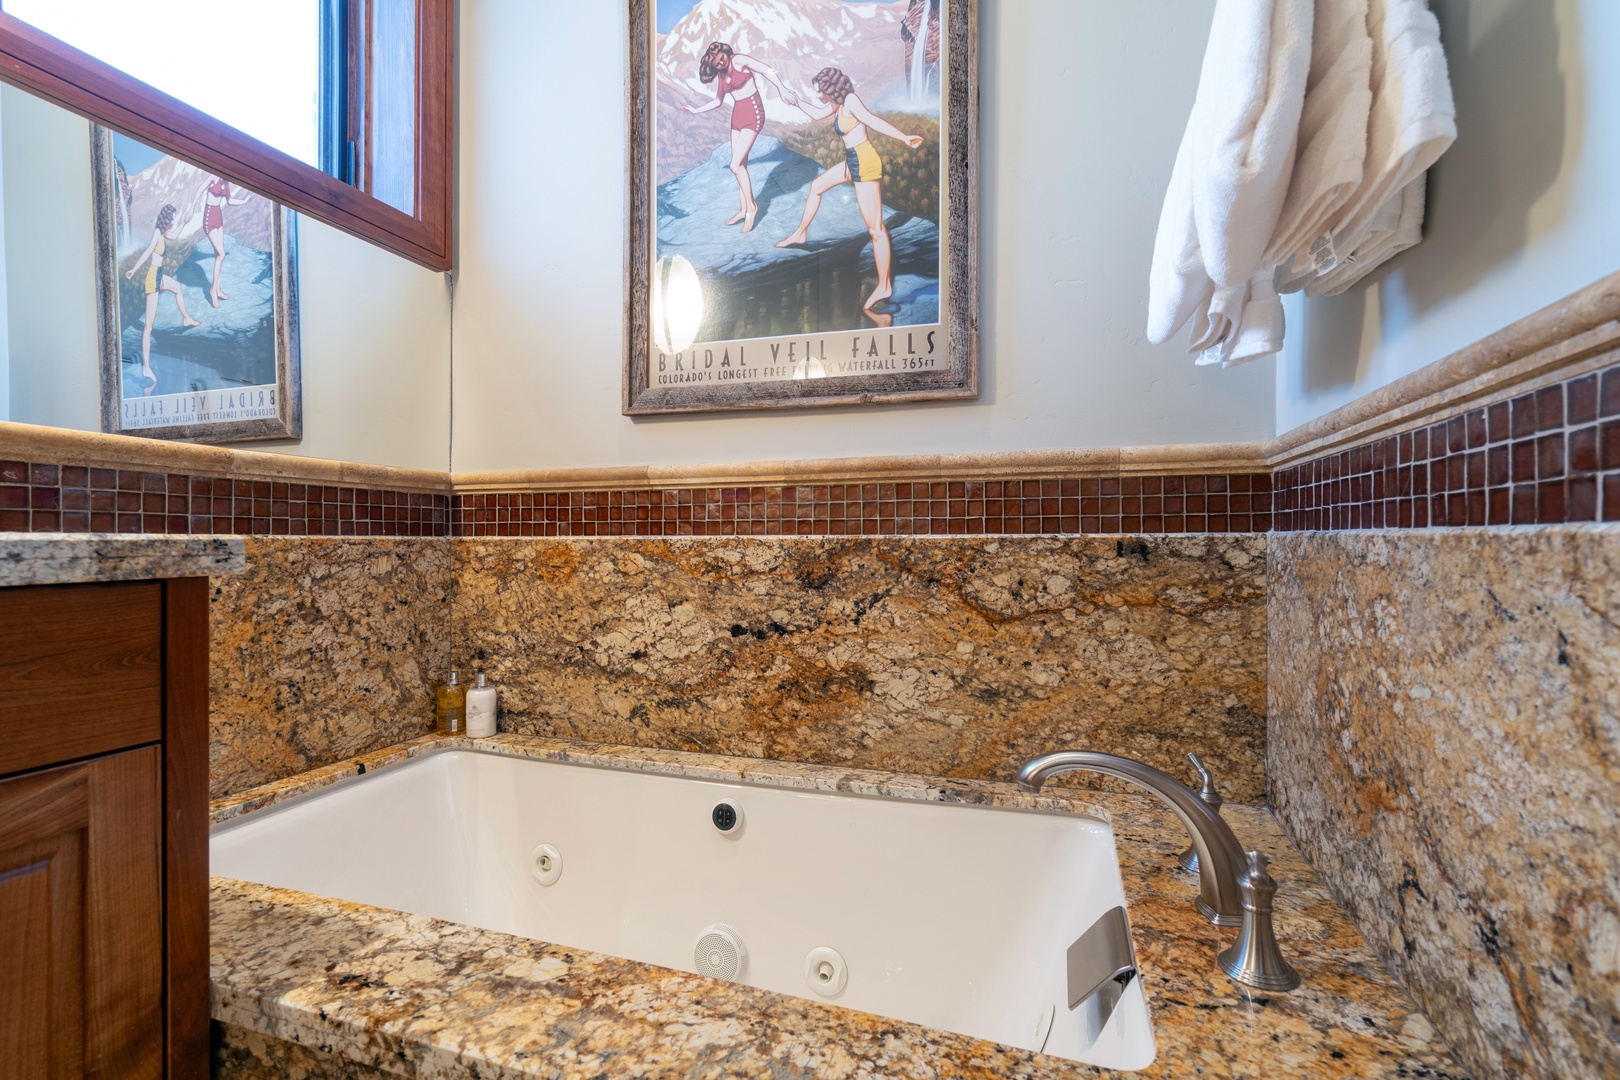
(372, 330)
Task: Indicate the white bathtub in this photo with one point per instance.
(957, 917)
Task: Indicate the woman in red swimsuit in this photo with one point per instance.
(733, 73)
(214, 203)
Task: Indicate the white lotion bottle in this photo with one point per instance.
(480, 709)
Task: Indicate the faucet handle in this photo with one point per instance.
(1255, 960)
(1211, 798)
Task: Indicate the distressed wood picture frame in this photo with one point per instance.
(720, 315)
(192, 365)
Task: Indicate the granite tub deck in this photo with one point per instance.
(306, 986)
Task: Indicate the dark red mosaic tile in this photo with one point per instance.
(1537, 458)
(949, 508)
(78, 499)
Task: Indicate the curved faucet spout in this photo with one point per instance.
(1220, 856)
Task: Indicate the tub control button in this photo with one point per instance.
(727, 817)
(826, 971)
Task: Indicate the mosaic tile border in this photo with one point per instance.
(36, 497)
(1236, 502)
(1546, 457)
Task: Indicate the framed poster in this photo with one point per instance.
(803, 219)
(199, 301)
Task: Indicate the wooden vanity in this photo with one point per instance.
(104, 824)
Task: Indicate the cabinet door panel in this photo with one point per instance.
(80, 671)
(81, 921)
(124, 918)
(44, 819)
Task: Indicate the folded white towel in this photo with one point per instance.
(1244, 323)
(1412, 121)
(1332, 128)
(1301, 165)
(1327, 170)
(1238, 147)
(1214, 323)
(1178, 285)
(1397, 226)
(1252, 88)
(1260, 333)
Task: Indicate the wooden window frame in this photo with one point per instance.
(49, 68)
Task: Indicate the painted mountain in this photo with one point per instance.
(184, 186)
(798, 38)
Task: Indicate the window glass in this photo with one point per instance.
(253, 64)
(393, 97)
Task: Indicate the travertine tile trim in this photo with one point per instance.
(61, 446)
(1562, 341)
(1191, 459)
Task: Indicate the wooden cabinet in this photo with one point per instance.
(104, 831)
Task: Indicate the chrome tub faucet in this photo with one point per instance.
(1233, 887)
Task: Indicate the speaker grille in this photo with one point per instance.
(720, 953)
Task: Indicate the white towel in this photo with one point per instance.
(1244, 323)
(1327, 171)
(1178, 285)
(1412, 122)
(1332, 128)
(1236, 155)
(1397, 226)
(1252, 87)
(1213, 323)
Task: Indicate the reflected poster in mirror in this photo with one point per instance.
(199, 301)
(802, 204)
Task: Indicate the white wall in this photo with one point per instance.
(1523, 209)
(1083, 106)
(375, 327)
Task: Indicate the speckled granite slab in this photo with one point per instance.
(955, 656)
(71, 558)
(325, 648)
(366, 992)
(1445, 747)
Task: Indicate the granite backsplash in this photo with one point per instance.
(323, 649)
(1444, 748)
(949, 656)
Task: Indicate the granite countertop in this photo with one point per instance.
(364, 991)
(71, 558)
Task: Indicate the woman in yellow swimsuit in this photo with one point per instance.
(157, 282)
(861, 166)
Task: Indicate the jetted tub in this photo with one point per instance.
(957, 917)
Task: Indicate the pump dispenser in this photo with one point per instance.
(481, 708)
(450, 712)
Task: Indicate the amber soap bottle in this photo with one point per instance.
(450, 706)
